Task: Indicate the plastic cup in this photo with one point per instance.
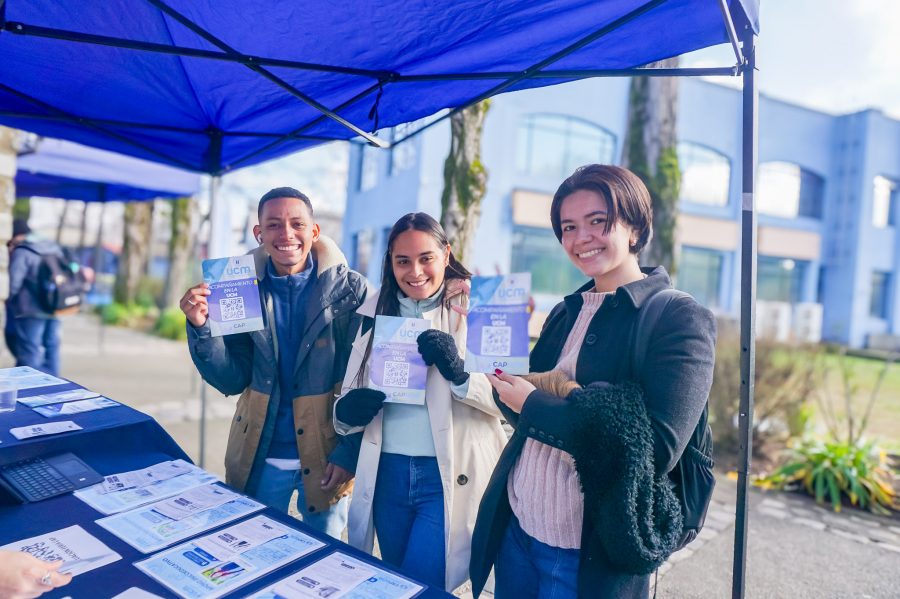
(8, 394)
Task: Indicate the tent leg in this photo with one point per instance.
(213, 192)
(748, 308)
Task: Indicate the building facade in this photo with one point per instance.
(827, 201)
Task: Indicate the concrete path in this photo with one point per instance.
(796, 549)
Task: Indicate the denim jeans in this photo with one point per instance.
(35, 343)
(526, 568)
(275, 489)
(409, 517)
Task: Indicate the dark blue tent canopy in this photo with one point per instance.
(220, 84)
(63, 169)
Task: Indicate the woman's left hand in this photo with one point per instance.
(513, 390)
(456, 287)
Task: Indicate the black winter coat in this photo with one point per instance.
(675, 378)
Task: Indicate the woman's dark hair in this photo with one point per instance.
(388, 302)
(626, 197)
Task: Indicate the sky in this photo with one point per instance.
(833, 55)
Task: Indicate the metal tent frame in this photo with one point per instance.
(743, 44)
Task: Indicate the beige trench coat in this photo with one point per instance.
(468, 440)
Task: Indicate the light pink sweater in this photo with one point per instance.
(543, 488)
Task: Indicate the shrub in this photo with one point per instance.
(837, 470)
(171, 324)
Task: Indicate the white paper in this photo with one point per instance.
(194, 501)
(145, 476)
(58, 397)
(136, 593)
(26, 377)
(380, 585)
(39, 430)
(70, 545)
(147, 530)
(333, 576)
(194, 573)
(76, 407)
(238, 538)
(113, 503)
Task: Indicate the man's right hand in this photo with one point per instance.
(194, 304)
(359, 406)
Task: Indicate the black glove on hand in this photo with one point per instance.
(439, 349)
(359, 406)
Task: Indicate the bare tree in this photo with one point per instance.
(179, 251)
(135, 248)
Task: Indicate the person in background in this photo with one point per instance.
(422, 468)
(23, 576)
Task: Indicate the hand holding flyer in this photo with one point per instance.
(396, 367)
(234, 305)
(498, 324)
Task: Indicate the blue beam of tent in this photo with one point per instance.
(216, 86)
(63, 169)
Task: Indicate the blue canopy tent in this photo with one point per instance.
(214, 86)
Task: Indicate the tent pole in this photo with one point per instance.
(214, 183)
(748, 306)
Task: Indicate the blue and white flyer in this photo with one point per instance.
(61, 396)
(234, 295)
(340, 576)
(498, 324)
(76, 407)
(26, 377)
(395, 366)
(216, 564)
(157, 525)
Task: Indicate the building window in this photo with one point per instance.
(884, 202)
(362, 251)
(705, 175)
(368, 168)
(700, 274)
(536, 250)
(780, 279)
(554, 146)
(403, 156)
(878, 303)
(787, 190)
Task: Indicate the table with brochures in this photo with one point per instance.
(231, 546)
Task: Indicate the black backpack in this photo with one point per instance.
(692, 476)
(60, 284)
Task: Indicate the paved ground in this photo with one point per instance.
(796, 549)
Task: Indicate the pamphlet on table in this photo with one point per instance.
(498, 316)
(234, 295)
(80, 551)
(40, 430)
(26, 377)
(59, 397)
(216, 564)
(76, 407)
(395, 365)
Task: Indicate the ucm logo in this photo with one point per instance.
(240, 270)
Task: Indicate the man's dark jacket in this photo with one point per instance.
(675, 378)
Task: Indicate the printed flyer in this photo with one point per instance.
(395, 366)
(341, 576)
(498, 324)
(234, 295)
(80, 551)
(26, 377)
(216, 564)
(60, 397)
(76, 407)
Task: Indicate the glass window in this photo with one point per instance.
(780, 279)
(537, 251)
(705, 175)
(553, 146)
(362, 251)
(878, 303)
(700, 274)
(368, 168)
(884, 202)
(403, 156)
(788, 191)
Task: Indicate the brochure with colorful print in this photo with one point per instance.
(234, 295)
(216, 564)
(395, 365)
(80, 551)
(498, 324)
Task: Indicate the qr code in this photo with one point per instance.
(396, 374)
(232, 308)
(495, 341)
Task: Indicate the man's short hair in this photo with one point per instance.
(283, 192)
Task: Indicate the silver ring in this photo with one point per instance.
(191, 303)
(47, 579)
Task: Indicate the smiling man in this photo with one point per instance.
(282, 437)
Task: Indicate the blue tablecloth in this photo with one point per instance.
(114, 440)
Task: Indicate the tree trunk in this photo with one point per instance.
(179, 251)
(62, 222)
(649, 151)
(465, 179)
(135, 247)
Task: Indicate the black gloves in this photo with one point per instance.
(439, 349)
(359, 406)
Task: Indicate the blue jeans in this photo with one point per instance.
(35, 343)
(526, 568)
(275, 489)
(408, 512)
